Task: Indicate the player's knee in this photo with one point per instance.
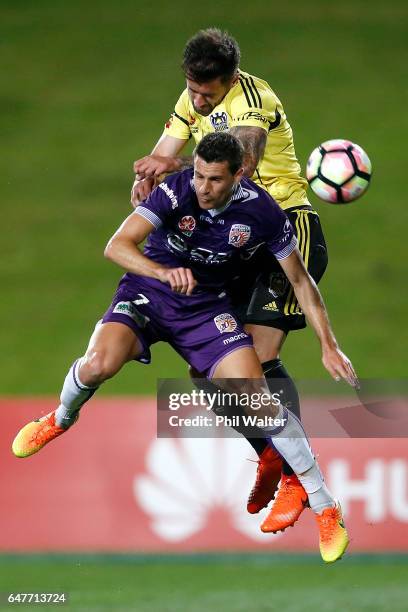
(267, 344)
(266, 352)
(97, 367)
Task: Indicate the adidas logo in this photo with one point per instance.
(270, 306)
(187, 478)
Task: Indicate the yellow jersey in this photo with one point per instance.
(250, 102)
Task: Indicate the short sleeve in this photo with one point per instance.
(282, 240)
(178, 124)
(158, 205)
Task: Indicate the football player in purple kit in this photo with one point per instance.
(220, 96)
(198, 223)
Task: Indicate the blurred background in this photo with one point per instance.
(86, 89)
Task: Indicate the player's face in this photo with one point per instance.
(214, 182)
(206, 96)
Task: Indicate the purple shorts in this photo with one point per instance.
(202, 327)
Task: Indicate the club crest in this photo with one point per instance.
(225, 323)
(239, 235)
(219, 121)
(187, 224)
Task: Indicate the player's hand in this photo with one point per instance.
(155, 165)
(181, 280)
(339, 366)
(141, 190)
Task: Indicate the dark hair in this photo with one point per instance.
(210, 54)
(219, 147)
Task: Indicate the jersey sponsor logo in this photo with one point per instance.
(240, 336)
(219, 121)
(177, 244)
(170, 194)
(187, 225)
(239, 235)
(253, 115)
(225, 323)
(130, 310)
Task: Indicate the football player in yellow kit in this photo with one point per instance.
(220, 96)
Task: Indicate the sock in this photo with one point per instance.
(73, 395)
(258, 444)
(319, 495)
(278, 379)
(292, 444)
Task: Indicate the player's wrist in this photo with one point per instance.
(177, 164)
(329, 344)
(161, 273)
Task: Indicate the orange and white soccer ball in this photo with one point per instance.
(338, 171)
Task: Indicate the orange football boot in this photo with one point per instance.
(33, 436)
(289, 504)
(268, 476)
(333, 537)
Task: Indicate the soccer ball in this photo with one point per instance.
(338, 171)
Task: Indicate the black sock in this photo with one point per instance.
(258, 444)
(279, 380)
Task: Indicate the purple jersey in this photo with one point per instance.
(202, 327)
(212, 242)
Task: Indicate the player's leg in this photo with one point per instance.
(241, 369)
(268, 342)
(269, 468)
(110, 347)
(292, 443)
(272, 312)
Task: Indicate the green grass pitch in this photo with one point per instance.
(194, 583)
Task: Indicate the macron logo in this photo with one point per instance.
(170, 193)
(235, 338)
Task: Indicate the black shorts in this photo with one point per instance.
(271, 300)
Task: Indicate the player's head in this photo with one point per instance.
(218, 161)
(210, 64)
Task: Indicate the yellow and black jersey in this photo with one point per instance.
(250, 102)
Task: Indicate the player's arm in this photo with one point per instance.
(163, 159)
(124, 249)
(253, 140)
(150, 169)
(311, 302)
